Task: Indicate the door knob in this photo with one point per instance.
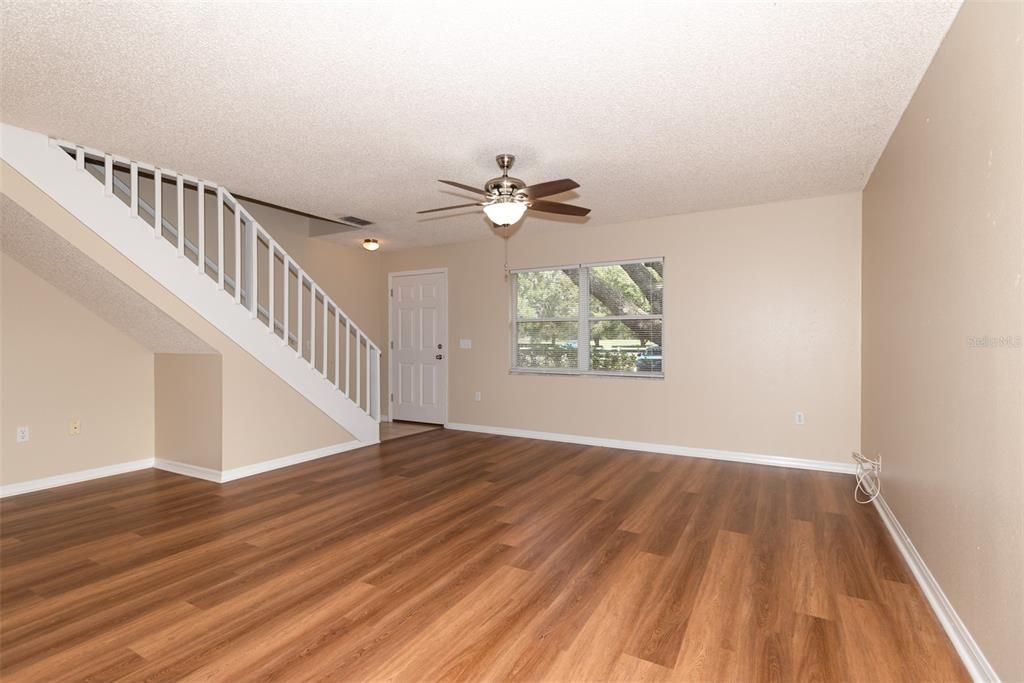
(438, 356)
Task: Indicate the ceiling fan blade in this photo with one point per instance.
(558, 207)
(467, 188)
(446, 208)
(549, 188)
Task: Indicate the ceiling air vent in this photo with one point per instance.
(318, 228)
(355, 221)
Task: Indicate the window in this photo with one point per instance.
(600, 318)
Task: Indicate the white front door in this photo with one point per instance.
(419, 346)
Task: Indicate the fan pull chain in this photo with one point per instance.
(504, 236)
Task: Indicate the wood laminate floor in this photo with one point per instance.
(459, 556)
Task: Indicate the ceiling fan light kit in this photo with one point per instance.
(506, 199)
(505, 211)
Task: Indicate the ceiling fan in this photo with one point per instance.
(506, 199)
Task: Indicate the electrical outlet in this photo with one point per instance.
(798, 418)
(21, 435)
(465, 343)
(75, 426)
(476, 397)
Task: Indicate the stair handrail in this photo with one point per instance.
(190, 246)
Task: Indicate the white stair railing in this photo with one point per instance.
(354, 372)
(191, 250)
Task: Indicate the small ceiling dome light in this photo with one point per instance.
(505, 211)
(370, 244)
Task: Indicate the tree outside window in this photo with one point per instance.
(596, 318)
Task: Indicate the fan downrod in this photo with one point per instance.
(505, 162)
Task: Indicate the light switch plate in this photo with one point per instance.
(465, 343)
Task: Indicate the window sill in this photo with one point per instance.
(589, 373)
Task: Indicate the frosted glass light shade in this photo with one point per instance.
(505, 211)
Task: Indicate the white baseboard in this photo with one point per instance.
(188, 470)
(734, 456)
(971, 655)
(178, 468)
(289, 460)
(74, 477)
(221, 477)
(385, 418)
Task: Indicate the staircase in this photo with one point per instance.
(201, 244)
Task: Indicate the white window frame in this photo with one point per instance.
(583, 320)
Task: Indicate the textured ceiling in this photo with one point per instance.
(357, 108)
(31, 243)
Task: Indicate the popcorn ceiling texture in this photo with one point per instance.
(27, 240)
(357, 108)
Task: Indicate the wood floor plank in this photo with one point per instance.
(877, 656)
(454, 648)
(393, 619)
(818, 650)
(704, 653)
(242, 657)
(920, 639)
(659, 633)
(848, 571)
(76, 661)
(595, 651)
(449, 555)
(637, 670)
(809, 586)
(556, 627)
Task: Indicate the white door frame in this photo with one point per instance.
(447, 337)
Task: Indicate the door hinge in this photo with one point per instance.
(391, 292)
(392, 344)
(392, 398)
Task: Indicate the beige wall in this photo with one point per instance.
(62, 362)
(257, 403)
(762, 318)
(264, 418)
(943, 260)
(189, 399)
